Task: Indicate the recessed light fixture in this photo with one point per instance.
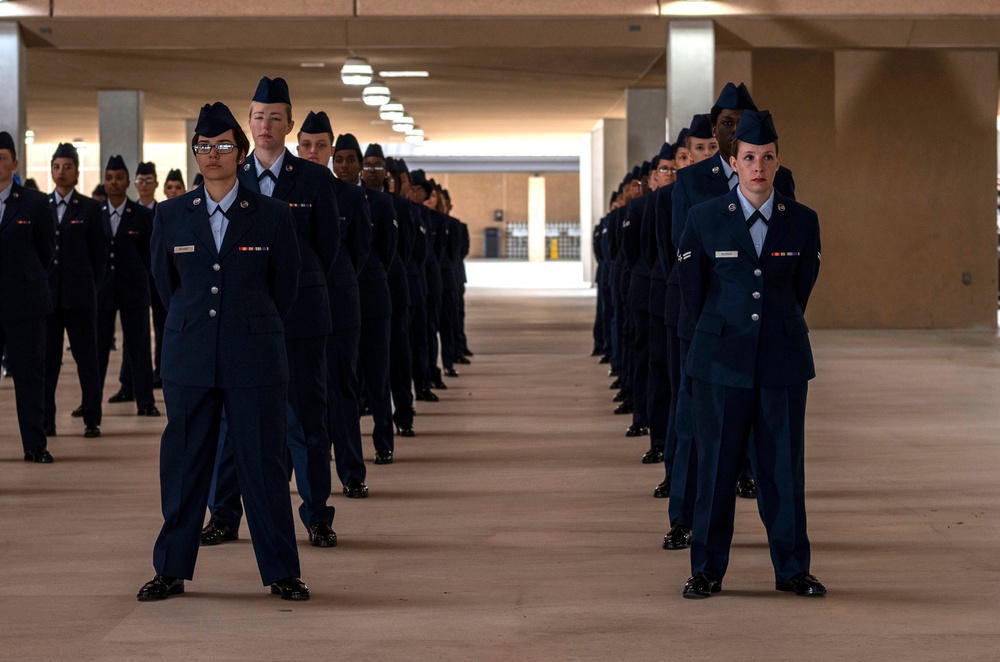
(376, 94)
(312, 65)
(356, 71)
(403, 74)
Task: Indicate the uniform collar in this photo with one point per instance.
(58, 198)
(726, 169)
(4, 194)
(120, 209)
(748, 209)
(275, 167)
(225, 203)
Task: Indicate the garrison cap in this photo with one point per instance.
(316, 123)
(735, 98)
(99, 190)
(214, 120)
(635, 174)
(418, 177)
(644, 170)
(7, 142)
(666, 152)
(374, 149)
(174, 176)
(272, 91)
(147, 168)
(701, 127)
(347, 141)
(116, 162)
(390, 165)
(681, 138)
(199, 179)
(401, 164)
(756, 128)
(66, 151)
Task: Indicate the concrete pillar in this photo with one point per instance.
(536, 219)
(120, 116)
(645, 112)
(606, 165)
(192, 163)
(690, 72)
(13, 78)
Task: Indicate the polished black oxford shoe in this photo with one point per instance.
(383, 457)
(121, 396)
(678, 537)
(746, 489)
(617, 384)
(604, 360)
(700, 586)
(160, 587)
(148, 410)
(463, 361)
(158, 383)
(802, 584)
(216, 533)
(290, 588)
(321, 535)
(467, 352)
(662, 491)
(426, 395)
(77, 413)
(38, 456)
(636, 431)
(50, 429)
(92, 431)
(596, 352)
(619, 397)
(653, 456)
(365, 411)
(439, 385)
(623, 408)
(450, 372)
(406, 432)
(355, 489)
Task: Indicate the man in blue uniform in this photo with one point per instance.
(747, 264)
(316, 145)
(308, 190)
(75, 275)
(226, 264)
(27, 245)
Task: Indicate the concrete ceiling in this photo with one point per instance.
(506, 70)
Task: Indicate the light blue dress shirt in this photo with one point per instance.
(758, 231)
(217, 214)
(267, 184)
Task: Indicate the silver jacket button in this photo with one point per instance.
(755, 317)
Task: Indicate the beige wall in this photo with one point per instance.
(896, 151)
(476, 195)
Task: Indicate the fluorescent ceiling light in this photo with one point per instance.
(415, 131)
(404, 123)
(414, 140)
(376, 94)
(403, 74)
(392, 110)
(356, 71)
(312, 65)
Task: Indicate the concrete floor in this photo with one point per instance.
(520, 524)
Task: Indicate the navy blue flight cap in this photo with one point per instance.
(199, 179)
(614, 196)
(417, 177)
(116, 162)
(701, 127)
(347, 141)
(7, 142)
(735, 98)
(99, 190)
(401, 164)
(635, 174)
(147, 168)
(390, 165)
(682, 138)
(644, 170)
(272, 91)
(374, 149)
(174, 176)
(66, 151)
(215, 120)
(316, 123)
(756, 128)
(666, 152)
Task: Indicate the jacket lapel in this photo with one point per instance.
(201, 226)
(286, 179)
(717, 181)
(12, 206)
(240, 221)
(736, 224)
(777, 227)
(247, 174)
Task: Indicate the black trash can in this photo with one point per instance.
(492, 240)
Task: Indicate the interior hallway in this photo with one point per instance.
(519, 523)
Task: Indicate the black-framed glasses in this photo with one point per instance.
(145, 180)
(221, 148)
(369, 168)
(666, 170)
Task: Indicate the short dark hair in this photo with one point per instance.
(75, 158)
(737, 143)
(240, 138)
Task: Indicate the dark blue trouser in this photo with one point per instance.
(24, 341)
(418, 347)
(683, 475)
(401, 367)
(81, 328)
(135, 345)
(373, 364)
(343, 423)
(658, 401)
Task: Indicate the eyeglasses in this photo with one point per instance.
(145, 180)
(369, 168)
(221, 148)
(666, 170)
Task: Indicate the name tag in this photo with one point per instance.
(183, 249)
(719, 254)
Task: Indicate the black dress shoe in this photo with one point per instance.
(450, 372)
(157, 383)
(148, 410)
(355, 489)
(121, 396)
(604, 360)
(596, 352)
(701, 586)
(290, 588)
(662, 491)
(653, 456)
(439, 385)
(746, 489)
(216, 533)
(617, 384)
(427, 395)
(466, 352)
(383, 457)
(463, 361)
(321, 535)
(636, 431)
(365, 411)
(50, 429)
(619, 397)
(406, 432)
(612, 373)
(160, 587)
(92, 431)
(623, 408)
(38, 456)
(678, 537)
(802, 584)
(77, 413)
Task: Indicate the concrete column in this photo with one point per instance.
(690, 72)
(192, 163)
(645, 110)
(120, 115)
(13, 78)
(587, 206)
(606, 166)
(536, 219)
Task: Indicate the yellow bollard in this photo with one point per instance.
(554, 251)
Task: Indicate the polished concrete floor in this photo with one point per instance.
(520, 524)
